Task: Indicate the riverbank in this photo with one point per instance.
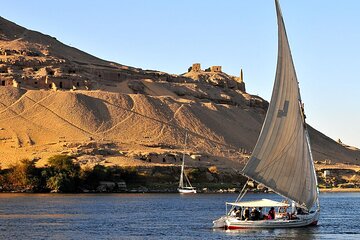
(339, 189)
(173, 189)
(64, 175)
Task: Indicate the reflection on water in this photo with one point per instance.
(291, 234)
(156, 216)
(295, 233)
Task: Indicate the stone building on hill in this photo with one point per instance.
(196, 67)
(215, 68)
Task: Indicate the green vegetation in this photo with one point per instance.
(62, 174)
(23, 176)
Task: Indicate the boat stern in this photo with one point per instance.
(315, 219)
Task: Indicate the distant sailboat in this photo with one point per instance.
(282, 158)
(184, 183)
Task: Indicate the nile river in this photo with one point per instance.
(157, 216)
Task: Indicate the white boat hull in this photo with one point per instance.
(233, 223)
(185, 191)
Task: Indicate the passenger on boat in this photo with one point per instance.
(238, 213)
(271, 214)
(301, 211)
(233, 212)
(282, 209)
(246, 214)
(282, 212)
(254, 215)
(257, 214)
(261, 214)
(292, 216)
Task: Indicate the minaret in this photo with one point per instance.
(241, 75)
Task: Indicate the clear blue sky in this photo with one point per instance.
(171, 35)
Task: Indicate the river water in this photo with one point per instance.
(157, 216)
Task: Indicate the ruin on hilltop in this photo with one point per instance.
(215, 76)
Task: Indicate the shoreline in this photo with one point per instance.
(339, 189)
(322, 190)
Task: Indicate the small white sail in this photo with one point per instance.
(184, 183)
(282, 158)
(181, 182)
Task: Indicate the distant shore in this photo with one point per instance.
(152, 191)
(339, 189)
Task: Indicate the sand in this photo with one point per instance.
(134, 116)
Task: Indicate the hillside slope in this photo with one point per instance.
(67, 101)
(39, 124)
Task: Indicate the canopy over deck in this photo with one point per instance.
(259, 203)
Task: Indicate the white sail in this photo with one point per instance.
(181, 182)
(282, 158)
(184, 183)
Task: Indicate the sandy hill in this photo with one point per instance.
(67, 101)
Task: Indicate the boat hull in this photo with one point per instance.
(233, 223)
(186, 191)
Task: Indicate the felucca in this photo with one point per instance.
(282, 158)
